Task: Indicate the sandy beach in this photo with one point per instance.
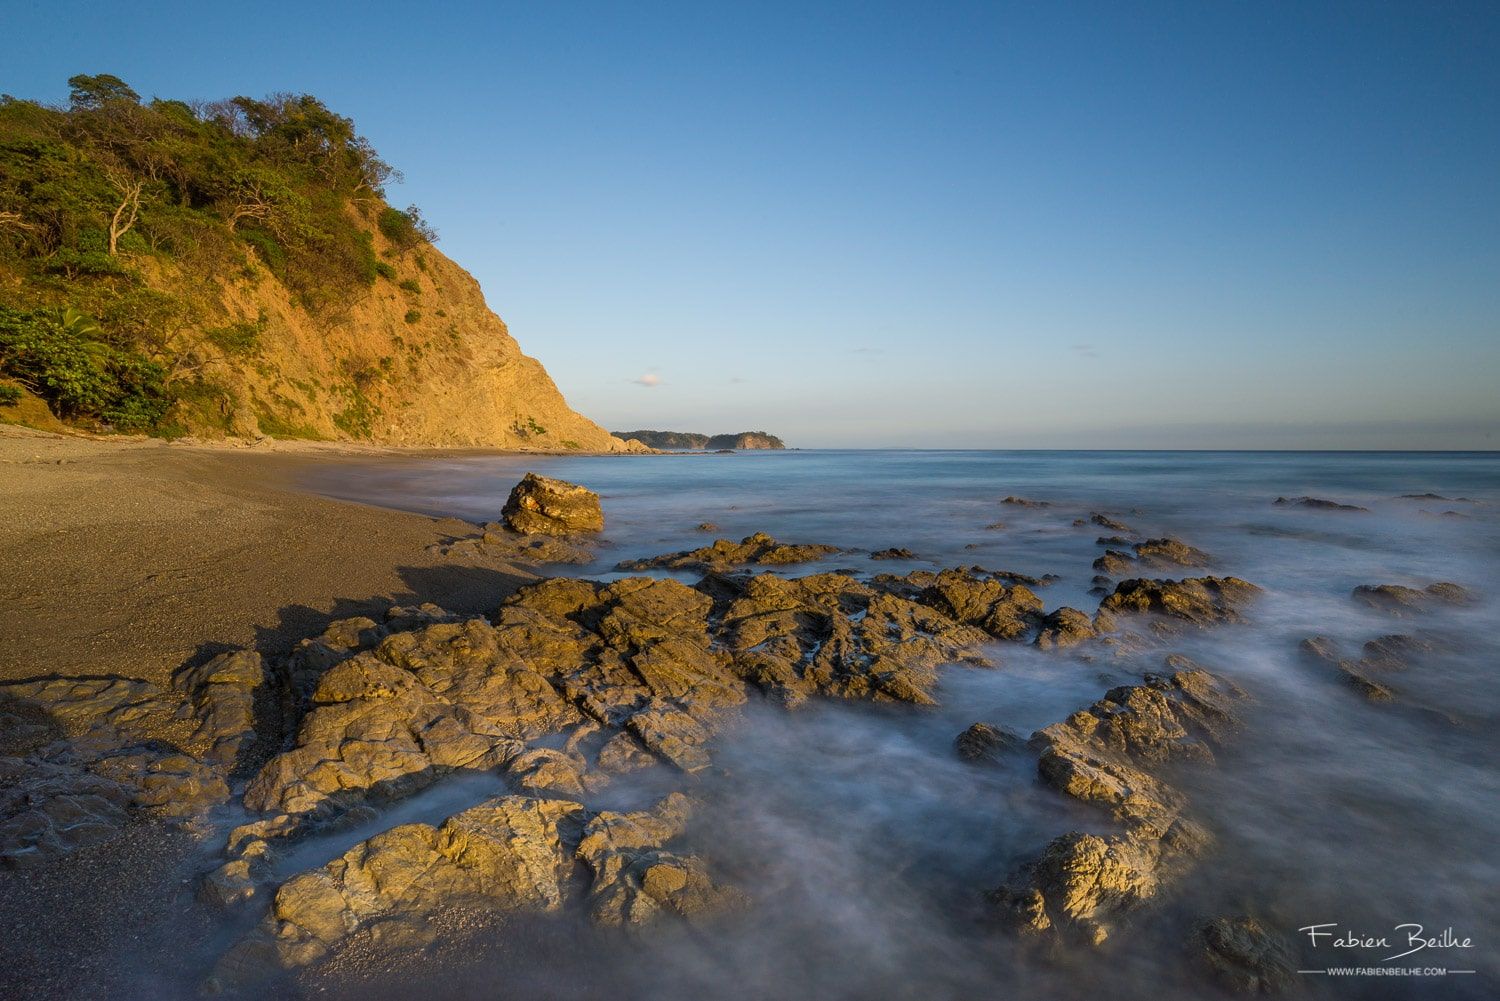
(135, 558)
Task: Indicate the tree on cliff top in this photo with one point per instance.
(89, 191)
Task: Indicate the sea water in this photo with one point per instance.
(868, 846)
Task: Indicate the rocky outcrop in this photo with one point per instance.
(1200, 601)
(986, 742)
(1154, 554)
(978, 599)
(1399, 600)
(545, 506)
(753, 550)
(91, 754)
(1083, 884)
(751, 440)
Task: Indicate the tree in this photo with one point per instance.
(129, 209)
(90, 92)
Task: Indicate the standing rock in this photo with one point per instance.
(540, 504)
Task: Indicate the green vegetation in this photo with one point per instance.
(412, 316)
(71, 362)
(10, 396)
(412, 286)
(237, 338)
(528, 427)
(98, 197)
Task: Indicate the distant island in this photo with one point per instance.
(679, 440)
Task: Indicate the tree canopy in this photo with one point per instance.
(91, 190)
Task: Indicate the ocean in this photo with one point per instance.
(869, 846)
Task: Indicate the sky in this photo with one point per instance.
(1150, 225)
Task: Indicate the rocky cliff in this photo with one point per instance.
(232, 268)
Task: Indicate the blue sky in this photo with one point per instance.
(1029, 225)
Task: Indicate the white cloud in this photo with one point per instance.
(648, 380)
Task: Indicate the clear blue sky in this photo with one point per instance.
(1168, 224)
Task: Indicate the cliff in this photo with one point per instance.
(233, 269)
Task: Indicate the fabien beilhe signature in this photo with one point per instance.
(1410, 936)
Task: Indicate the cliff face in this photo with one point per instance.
(233, 268)
(417, 360)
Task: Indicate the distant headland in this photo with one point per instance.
(679, 440)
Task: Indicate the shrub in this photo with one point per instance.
(67, 359)
(405, 229)
(412, 286)
(385, 271)
(10, 396)
(237, 338)
(412, 316)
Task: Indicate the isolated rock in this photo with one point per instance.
(1065, 627)
(758, 549)
(893, 554)
(1171, 552)
(1199, 600)
(1317, 504)
(542, 505)
(1114, 563)
(985, 742)
(1399, 600)
(1023, 502)
(1105, 521)
(1245, 955)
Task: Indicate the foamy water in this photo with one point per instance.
(868, 846)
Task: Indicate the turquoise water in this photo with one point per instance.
(869, 846)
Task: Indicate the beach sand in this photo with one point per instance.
(135, 558)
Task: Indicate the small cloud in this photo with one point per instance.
(867, 351)
(1085, 351)
(648, 380)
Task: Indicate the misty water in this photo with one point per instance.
(868, 846)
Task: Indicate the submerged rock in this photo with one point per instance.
(758, 549)
(1105, 521)
(893, 554)
(542, 505)
(1317, 504)
(1245, 955)
(1399, 600)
